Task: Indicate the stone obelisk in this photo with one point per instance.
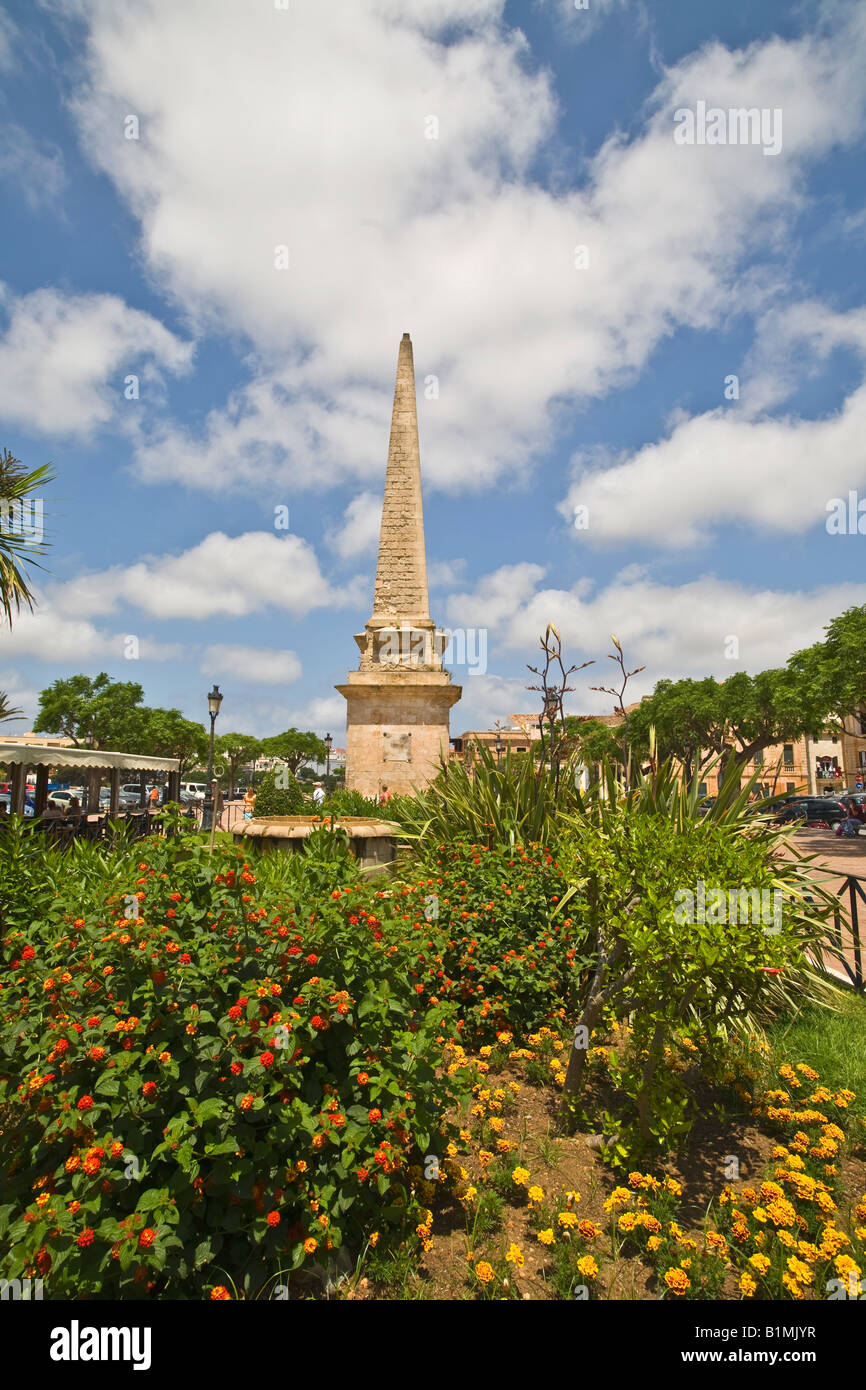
(397, 702)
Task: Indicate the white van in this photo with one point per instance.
(193, 791)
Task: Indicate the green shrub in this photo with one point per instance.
(273, 799)
(351, 803)
(493, 939)
(203, 1087)
(694, 922)
(508, 803)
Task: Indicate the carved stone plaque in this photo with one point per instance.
(396, 748)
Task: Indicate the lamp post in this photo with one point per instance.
(214, 700)
(329, 739)
(499, 746)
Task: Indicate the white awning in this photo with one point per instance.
(37, 755)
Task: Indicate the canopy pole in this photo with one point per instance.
(19, 778)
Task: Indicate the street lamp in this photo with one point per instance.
(499, 746)
(214, 700)
(328, 741)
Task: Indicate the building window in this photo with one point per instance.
(790, 786)
(861, 757)
(759, 758)
(702, 789)
(788, 755)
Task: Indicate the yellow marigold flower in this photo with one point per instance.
(514, 1255)
(452, 1150)
(627, 1221)
(677, 1281)
(547, 1237)
(588, 1230)
(653, 1243)
(620, 1197)
(673, 1187)
(497, 1125)
(484, 1272)
(785, 1238)
(485, 1157)
(747, 1285)
(649, 1222)
(800, 1270)
(760, 1263)
(503, 1146)
(792, 1286)
(587, 1267)
(567, 1219)
(536, 1194)
(520, 1176)
(572, 1199)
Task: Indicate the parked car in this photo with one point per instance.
(63, 797)
(194, 791)
(823, 809)
(125, 800)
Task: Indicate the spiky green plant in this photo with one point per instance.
(512, 802)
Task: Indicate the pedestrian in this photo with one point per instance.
(384, 796)
(318, 793)
(249, 803)
(154, 798)
(853, 818)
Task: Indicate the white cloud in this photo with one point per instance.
(63, 359)
(65, 639)
(228, 575)
(720, 468)
(359, 533)
(37, 172)
(674, 630)
(320, 133)
(445, 574)
(251, 665)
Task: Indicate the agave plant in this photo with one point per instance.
(512, 802)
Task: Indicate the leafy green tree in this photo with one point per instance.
(592, 741)
(19, 544)
(836, 667)
(92, 711)
(235, 751)
(294, 747)
(688, 721)
(167, 734)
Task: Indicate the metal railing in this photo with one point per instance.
(852, 885)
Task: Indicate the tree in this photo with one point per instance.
(8, 711)
(294, 748)
(688, 720)
(237, 750)
(593, 742)
(97, 712)
(279, 795)
(836, 667)
(20, 539)
(167, 734)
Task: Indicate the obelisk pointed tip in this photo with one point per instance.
(406, 338)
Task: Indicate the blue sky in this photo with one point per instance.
(431, 166)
